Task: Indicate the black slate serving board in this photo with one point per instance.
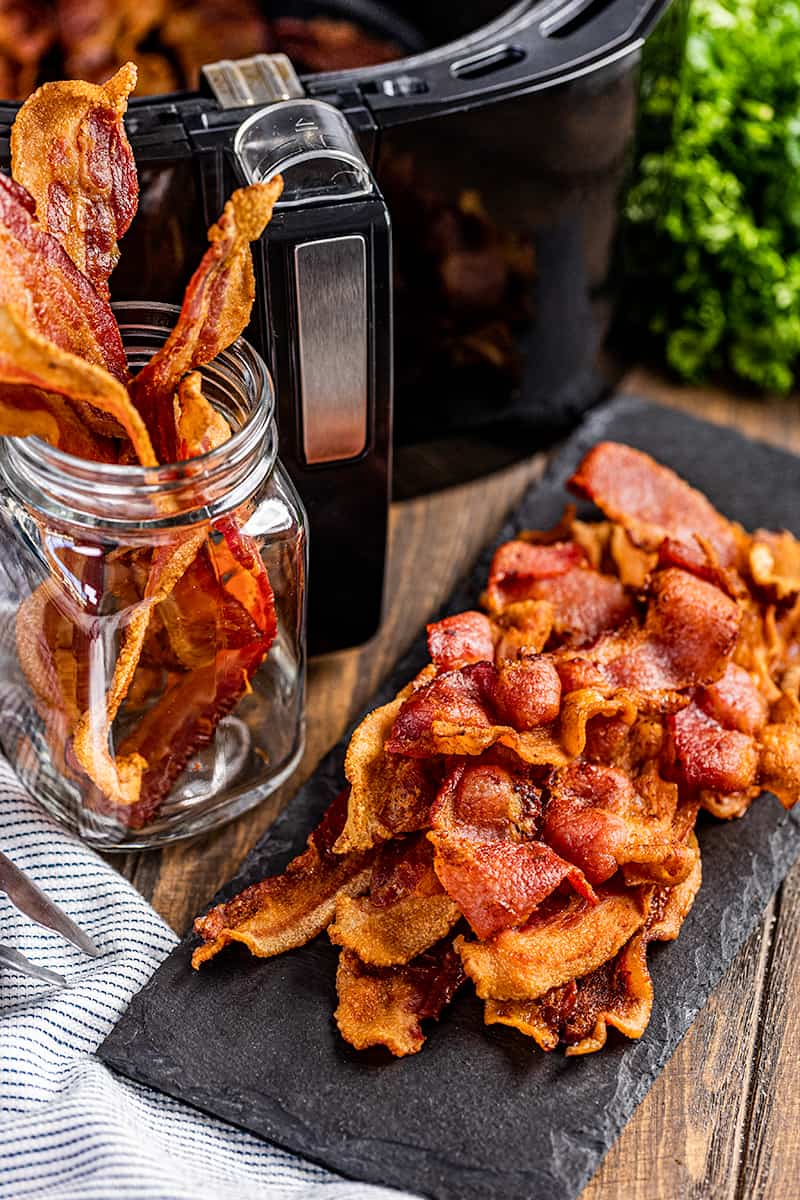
(479, 1114)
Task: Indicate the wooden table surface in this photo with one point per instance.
(723, 1120)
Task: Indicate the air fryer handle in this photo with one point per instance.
(324, 301)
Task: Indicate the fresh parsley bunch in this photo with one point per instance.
(713, 216)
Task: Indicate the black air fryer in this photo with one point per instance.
(492, 156)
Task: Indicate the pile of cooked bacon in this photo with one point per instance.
(193, 612)
(522, 814)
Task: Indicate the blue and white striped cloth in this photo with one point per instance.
(69, 1128)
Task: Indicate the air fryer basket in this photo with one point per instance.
(503, 174)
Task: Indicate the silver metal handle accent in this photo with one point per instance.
(331, 296)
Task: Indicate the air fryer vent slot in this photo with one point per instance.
(565, 16)
(487, 62)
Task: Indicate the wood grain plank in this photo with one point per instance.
(433, 541)
(685, 1139)
(771, 1168)
(775, 420)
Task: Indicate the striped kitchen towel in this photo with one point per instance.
(69, 1128)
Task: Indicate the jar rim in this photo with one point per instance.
(130, 496)
(34, 449)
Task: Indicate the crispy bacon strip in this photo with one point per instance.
(565, 939)
(26, 358)
(186, 717)
(31, 412)
(536, 747)
(651, 501)
(406, 912)
(182, 723)
(780, 761)
(527, 693)
(219, 613)
(54, 300)
(69, 150)
(488, 799)
(700, 559)
(464, 638)
(523, 628)
(215, 310)
(588, 713)
(54, 701)
(202, 615)
(735, 701)
(517, 564)
(596, 819)
(55, 630)
(230, 567)
(540, 1019)
(488, 863)
(774, 561)
(73, 590)
(466, 711)
(633, 565)
(712, 757)
(689, 632)
(670, 906)
(687, 639)
(585, 602)
(456, 697)
(198, 425)
(618, 994)
(389, 795)
(385, 1006)
(288, 910)
(120, 779)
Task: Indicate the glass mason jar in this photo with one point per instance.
(152, 620)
